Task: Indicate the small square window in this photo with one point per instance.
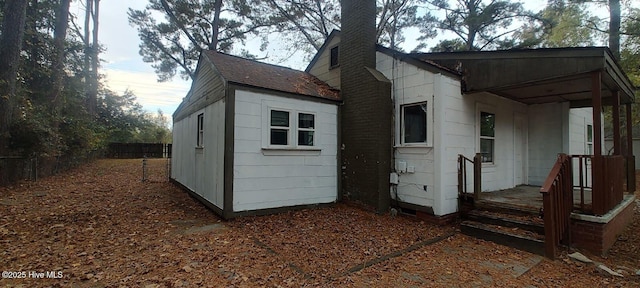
(335, 60)
(414, 123)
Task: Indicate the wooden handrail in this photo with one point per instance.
(557, 196)
(462, 175)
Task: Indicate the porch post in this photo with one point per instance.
(631, 161)
(616, 123)
(597, 167)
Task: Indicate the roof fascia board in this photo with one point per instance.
(242, 86)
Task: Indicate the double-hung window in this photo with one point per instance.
(487, 136)
(414, 123)
(291, 129)
(306, 129)
(280, 127)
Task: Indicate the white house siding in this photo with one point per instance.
(578, 121)
(547, 127)
(499, 174)
(412, 85)
(264, 178)
(201, 169)
(456, 113)
(184, 141)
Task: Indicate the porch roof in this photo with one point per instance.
(536, 76)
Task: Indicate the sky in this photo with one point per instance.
(124, 69)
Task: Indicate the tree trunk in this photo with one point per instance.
(95, 60)
(614, 27)
(10, 47)
(87, 55)
(216, 26)
(59, 37)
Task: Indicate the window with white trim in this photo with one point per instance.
(291, 129)
(306, 129)
(280, 127)
(487, 136)
(200, 137)
(414, 123)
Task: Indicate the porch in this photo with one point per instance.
(596, 185)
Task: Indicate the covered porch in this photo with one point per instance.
(592, 184)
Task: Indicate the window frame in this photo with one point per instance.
(200, 131)
(589, 142)
(486, 137)
(333, 65)
(403, 122)
(272, 127)
(300, 129)
(293, 129)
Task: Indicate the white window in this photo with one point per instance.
(280, 126)
(414, 123)
(291, 129)
(589, 139)
(200, 137)
(487, 136)
(306, 129)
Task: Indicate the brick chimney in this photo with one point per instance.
(367, 111)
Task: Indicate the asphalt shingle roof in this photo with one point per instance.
(257, 74)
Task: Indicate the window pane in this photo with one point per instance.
(415, 123)
(305, 138)
(334, 57)
(589, 133)
(279, 118)
(487, 124)
(486, 149)
(305, 121)
(279, 137)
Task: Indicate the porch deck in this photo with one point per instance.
(527, 197)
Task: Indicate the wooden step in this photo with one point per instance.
(527, 222)
(500, 235)
(507, 208)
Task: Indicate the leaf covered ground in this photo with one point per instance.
(100, 226)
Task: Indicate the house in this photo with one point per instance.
(403, 128)
(251, 138)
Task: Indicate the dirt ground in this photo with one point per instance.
(101, 226)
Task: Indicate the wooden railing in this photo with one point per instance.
(630, 164)
(610, 193)
(557, 197)
(463, 192)
(584, 179)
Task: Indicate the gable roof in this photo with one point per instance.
(262, 75)
(425, 64)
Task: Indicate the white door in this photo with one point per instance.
(519, 151)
